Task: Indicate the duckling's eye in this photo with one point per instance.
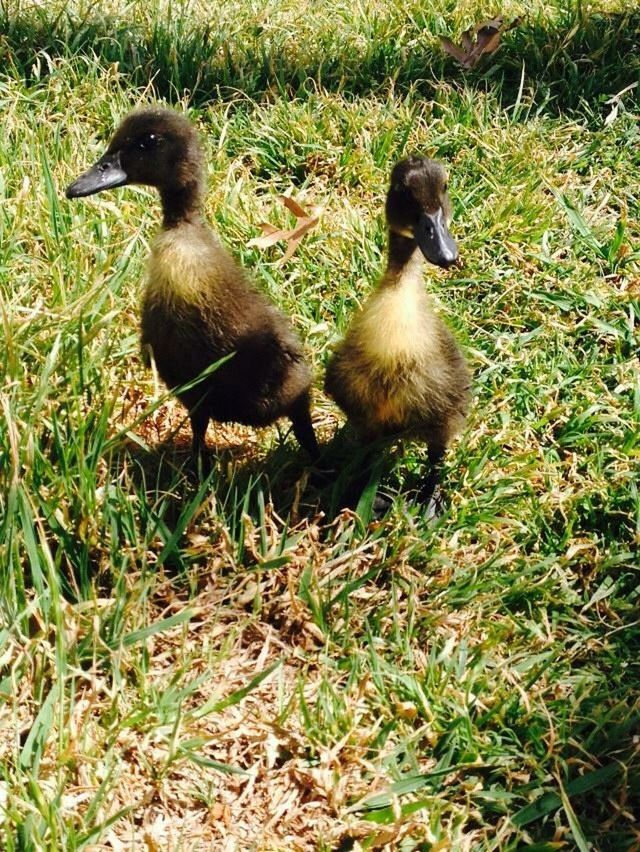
(147, 142)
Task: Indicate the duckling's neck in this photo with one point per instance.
(403, 253)
(180, 205)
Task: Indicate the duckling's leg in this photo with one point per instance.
(199, 422)
(430, 493)
(300, 416)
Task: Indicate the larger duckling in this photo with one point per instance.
(199, 305)
(399, 372)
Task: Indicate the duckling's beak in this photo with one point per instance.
(435, 241)
(106, 174)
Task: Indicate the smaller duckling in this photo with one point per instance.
(199, 305)
(399, 372)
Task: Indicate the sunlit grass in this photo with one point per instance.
(184, 662)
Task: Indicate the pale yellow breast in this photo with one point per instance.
(182, 261)
(396, 323)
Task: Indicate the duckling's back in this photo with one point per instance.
(199, 307)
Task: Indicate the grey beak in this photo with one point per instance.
(106, 174)
(434, 239)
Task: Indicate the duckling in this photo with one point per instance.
(199, 305)
(398, 372)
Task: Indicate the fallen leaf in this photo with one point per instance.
(488, 37)
(616, 102)
(467, 42)
(271, 235)
(484, 39)
(291, 204)
(268, 229)
(460, 54)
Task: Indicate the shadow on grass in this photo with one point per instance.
(243, 482)
(580, 57)
(249, 507)
(240, 489)
(156, 511)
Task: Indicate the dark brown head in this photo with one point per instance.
(418, 207)
(157, 147)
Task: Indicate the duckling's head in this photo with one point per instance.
(418, 207)
(157, 147)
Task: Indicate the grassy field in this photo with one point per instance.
(232, 664)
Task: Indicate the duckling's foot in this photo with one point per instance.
(321, 476)
(369, 502)
(431, 496)
(381, 505)
(332, 463)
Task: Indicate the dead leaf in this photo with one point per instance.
(291, 204)
(467, 42)
(458, 53)
(484, 39)
(271, 235)
(488, 37)
(268, 229)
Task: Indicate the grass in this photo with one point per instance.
(184, 665)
